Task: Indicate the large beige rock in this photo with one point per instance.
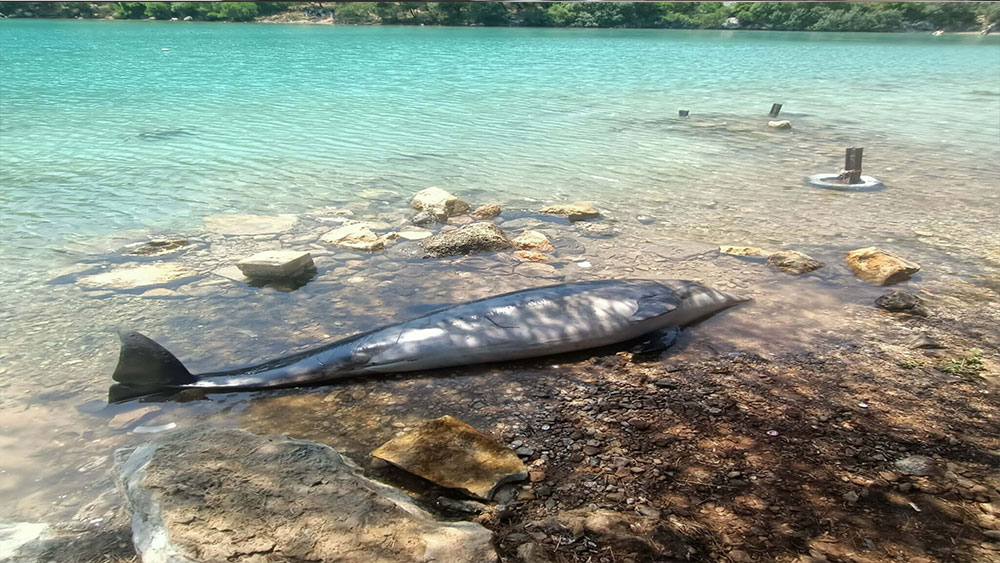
(454, 455)
(438, 203)
(879, 267)
(245, 225)
(780, 124)
(576, 211)
(228, 495)
(469, 239)
(357, 236)
(276, 264)
(793, 262)
(532, 240)
(136, 277)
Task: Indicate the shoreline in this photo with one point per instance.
(269, 20)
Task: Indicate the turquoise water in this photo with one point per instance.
(107, 139)
(102, 130)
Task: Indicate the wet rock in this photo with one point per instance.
(792, 262)
(530, 256)
(136, 277)
(160, 247)
(879, 267)
(228, 495)
(188, 18)
(745, 251)
(357, 236)
(780, 124)
(470, 239)
(532, 240)
(438, 203)
(919, 465)
(423, 219)
(276, 264)
(576, 211)
(245, 225)
(597, 229)
(488, 211)
(902, 302)
(455, 455)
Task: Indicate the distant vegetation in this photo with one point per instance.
(804, 16)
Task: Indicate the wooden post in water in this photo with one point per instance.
(852, 165)
(682, 113)
(775, 110)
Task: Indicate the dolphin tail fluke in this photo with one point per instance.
(144, 368)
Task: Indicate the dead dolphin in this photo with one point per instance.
(523, 324)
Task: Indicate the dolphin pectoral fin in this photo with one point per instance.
(651, 308)
(656, 341)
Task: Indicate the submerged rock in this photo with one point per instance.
(136, 277)
(879, 267)
(792, 262)
(469, 239)
(438, 203)
(423, 219)
(532, 240)
(357, 236)
(455, 455)
(530, 256)
(780, 124)
(576, 211)
(159, 247)
(902, 302)
(488, 211)
(276, 264)
(228, 495)
(245, 225)
(745, 251)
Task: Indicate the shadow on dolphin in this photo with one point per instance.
(523, 324)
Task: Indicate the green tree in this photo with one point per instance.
(158, 10)
(128, 10)
(233, 11)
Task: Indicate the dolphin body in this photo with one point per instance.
(522, 324)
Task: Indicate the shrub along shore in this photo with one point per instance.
(787, 16)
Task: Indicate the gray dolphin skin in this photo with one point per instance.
(523, 324)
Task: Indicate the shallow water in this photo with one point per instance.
(106, 140)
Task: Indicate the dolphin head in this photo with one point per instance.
(698, 302)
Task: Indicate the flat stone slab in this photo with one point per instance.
(207, 494)
(576, 211)
(276, 264)
(245, 225)
(135, 277)
(455, 455)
